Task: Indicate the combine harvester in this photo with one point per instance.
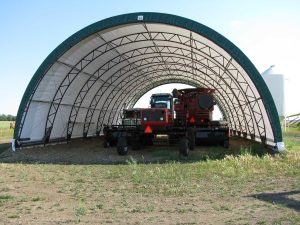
(185, 116)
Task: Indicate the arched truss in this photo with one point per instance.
(92, 76)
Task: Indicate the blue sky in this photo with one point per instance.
(267, 31)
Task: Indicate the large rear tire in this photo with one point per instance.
(122, 146)
(184, 146)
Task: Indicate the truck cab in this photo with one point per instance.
(162, 100)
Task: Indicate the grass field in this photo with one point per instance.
(228, 189)
(6, 133)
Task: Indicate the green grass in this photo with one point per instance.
(79, 212)
(13, 216)
(292, 140)
(36, 199)
(238, 167)
(164, 153)
(173, 176)
(6, 133)
(4, 124)
(222, 180)
(5, 197)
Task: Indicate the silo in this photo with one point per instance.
(275, 83)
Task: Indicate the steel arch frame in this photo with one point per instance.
(109, 44)
(245, 101)
(125, 97)
(69, 134)
(134, 98)
(91, 56)
(90, 108)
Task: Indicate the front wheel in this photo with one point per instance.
(122, 146)
(184, 146)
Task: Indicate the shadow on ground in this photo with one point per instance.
(287, 199)
(4, 147)
(91, 151)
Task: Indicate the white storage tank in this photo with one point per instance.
(275, 83)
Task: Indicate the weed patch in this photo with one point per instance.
(5, 198)
(79, 212)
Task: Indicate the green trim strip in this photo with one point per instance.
(162, 18)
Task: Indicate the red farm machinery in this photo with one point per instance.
(185, 117)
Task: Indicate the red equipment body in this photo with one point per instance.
(194, 106)
(157, 119)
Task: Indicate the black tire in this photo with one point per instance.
(184, 146)
(191, 137)
(122, 146)
(226, 144)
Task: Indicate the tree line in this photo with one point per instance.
(8, 117)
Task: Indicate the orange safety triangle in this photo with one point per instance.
(148, 130)
(192, 120)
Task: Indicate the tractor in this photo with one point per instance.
(185, 117)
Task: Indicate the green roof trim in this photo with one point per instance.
(162, 18)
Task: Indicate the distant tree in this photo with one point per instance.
(8, 117)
